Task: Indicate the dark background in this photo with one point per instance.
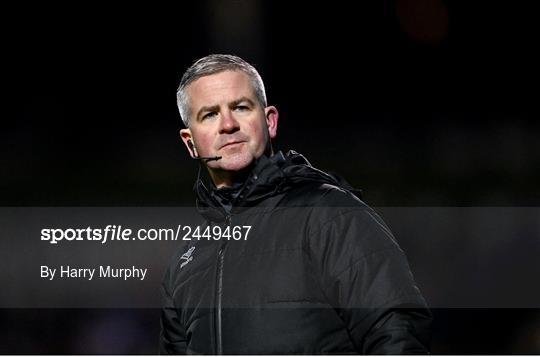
(419, 103)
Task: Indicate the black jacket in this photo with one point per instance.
(319, 272)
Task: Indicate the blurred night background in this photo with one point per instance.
(418, 103)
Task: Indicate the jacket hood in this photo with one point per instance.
(270, 176)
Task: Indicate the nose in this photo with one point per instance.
(228, 123)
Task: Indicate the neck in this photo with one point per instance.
(222, 178)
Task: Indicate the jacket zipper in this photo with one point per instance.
(219, 293)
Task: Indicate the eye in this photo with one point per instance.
(209, 115)
(241, 108)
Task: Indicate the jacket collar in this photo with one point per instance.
(270, 176)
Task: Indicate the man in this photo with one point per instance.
(318, 272)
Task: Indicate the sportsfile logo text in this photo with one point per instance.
(119, 233)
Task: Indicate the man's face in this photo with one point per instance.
(227, 120)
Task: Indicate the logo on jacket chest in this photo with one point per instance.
(186, 257)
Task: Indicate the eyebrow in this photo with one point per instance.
(234, 103)
(213, 108)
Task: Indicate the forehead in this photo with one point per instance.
(221, 87)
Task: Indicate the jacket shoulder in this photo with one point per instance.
(321, 195)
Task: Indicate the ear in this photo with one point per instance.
(185, 135)
(272, 115)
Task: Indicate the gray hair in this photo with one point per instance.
(213, 64)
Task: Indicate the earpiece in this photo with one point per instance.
(197, 157)
(192, 147)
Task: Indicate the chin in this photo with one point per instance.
(235, 162)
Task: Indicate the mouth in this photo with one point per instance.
(231, 144)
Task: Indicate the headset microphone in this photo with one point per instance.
(210, 158)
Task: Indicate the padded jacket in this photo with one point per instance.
(318, 273)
